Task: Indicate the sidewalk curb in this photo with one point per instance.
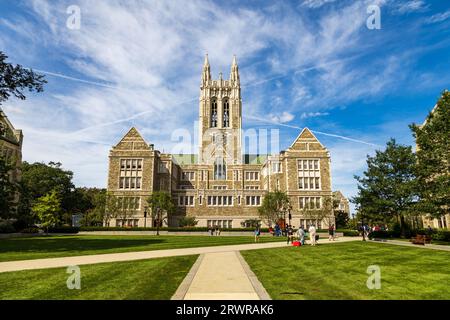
(186, 283)
(257, 285)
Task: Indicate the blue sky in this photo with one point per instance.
(303, 63)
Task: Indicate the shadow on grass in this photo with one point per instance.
(62, 244)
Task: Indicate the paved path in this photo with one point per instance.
(409, 244)
(131, 256)
(220, 276)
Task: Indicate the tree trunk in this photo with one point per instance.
(402, 226)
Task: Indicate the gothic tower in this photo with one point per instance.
(220, 119)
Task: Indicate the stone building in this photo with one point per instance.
(343, 203)
(220, 186)
(10, 145)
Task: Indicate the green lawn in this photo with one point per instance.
(62, 246)
(338, 271)
(155, 279)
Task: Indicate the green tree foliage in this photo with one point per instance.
(39, 179)
(325, 212)
(14, 80)
(94, 207)
(274, 207)
(386, 191)
(188, 222)
(161, 200)
(433, 160)
(8, 191)
(48, 209)
(342, 219)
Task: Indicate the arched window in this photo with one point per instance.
(220, 169)
(214, 114)
(226, 114)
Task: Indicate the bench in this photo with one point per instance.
(421, 239)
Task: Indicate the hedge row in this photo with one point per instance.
(438, 235)
(186, 229)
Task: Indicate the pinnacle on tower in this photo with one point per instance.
(234, 76)
(206, 75)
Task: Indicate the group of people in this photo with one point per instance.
(292, 235)
(214, 231)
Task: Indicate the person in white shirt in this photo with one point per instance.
(312, 235)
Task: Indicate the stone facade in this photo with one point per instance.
(11, 145)
(220, 186)
(343, 203)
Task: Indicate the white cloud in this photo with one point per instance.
(306, 115)
(410, 6)
(439, 17)
(282, 118)
(314, 4)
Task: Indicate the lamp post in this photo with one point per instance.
(363, 227)
(145, 216)
(158, 214)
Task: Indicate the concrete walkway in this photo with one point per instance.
(220, 276)
(409, 244)
(142, 255)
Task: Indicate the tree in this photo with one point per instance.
(324, 212)
(14, 80)
(47, 209)
(39, 179)
(95, 214)
(274, 207)
(111, 208)
(126, 208)
(162, 205)
(342, 219)
(386, 190)
(433, 160)
(188, 222)
(8, 191)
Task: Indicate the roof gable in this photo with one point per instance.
(307, 141)
(132, 141)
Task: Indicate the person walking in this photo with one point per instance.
(289, 234)
(301, 235)
(331, 233)
(257, 234)
(312, 235)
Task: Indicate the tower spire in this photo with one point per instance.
(206, 75)
(234, 77)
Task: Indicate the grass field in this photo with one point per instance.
(62, 246)
(155, 279)
(338, 271)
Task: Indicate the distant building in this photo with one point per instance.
(10, 145)
(220, 186)
(343, 202)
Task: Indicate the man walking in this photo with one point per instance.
(301, 235)
(312, 235)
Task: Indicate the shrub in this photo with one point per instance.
(441, 235)
(63, 230)
(30, 230)
(6, 227)
(188, 222)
